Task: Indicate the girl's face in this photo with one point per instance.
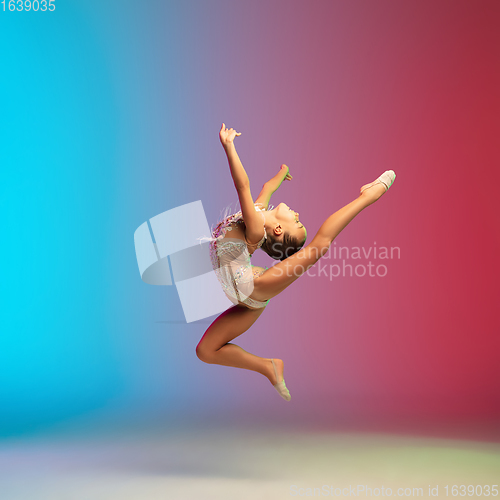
(289, 221)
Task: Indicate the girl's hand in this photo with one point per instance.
(227, 136)
(288, 177)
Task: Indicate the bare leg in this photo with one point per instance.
(214, 346)
(283, 274)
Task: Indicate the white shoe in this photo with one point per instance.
(387, 178)
(280, 386)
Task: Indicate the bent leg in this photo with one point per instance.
(280, 276)
(214, 346)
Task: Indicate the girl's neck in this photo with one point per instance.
(267, 220)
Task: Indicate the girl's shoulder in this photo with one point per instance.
(231, 225)
(230, 217)
(234, 229)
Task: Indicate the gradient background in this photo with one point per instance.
(110, 113)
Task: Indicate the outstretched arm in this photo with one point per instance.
(253, 221)
(240, 177)
(272, 185)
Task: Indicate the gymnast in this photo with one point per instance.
(278, 232)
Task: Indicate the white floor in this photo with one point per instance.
(195, 463)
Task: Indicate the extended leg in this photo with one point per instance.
(283, 274)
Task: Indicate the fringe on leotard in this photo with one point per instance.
(227, 215)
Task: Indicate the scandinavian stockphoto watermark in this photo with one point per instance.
(351, 262)
(359, 490)
(171, 250)
(356, 261)
(364, 491)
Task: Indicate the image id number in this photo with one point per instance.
(27, 5)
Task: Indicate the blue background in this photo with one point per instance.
(109, 116)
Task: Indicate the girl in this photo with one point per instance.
(279, 232)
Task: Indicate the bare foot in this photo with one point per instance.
(279, 370)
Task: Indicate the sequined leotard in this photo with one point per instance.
(231, 261)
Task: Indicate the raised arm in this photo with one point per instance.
(272, 185)
(253, 221)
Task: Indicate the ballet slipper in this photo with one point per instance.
(387, 178)
(280, 386)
